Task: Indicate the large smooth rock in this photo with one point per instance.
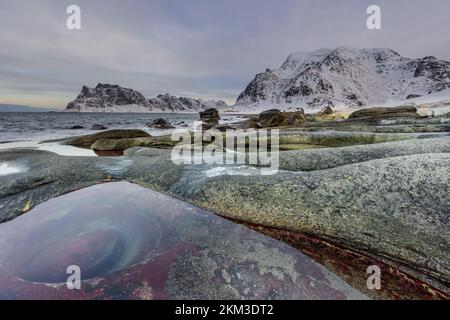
(338, 139)
(123, 144)
(86, 141)
(397, 208)
(385, 112)
(162, 249)
(325, 158)
(49, 175)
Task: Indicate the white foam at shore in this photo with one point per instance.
(233, 170)
(55, 147)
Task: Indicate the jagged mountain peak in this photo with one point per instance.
(344, 77)
(114, 98)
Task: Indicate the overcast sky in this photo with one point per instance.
(197, 48)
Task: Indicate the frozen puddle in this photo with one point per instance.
(7, 169)
(133, 243)
(55, 147)
(233, 170)
(243, 170)
(120, 166)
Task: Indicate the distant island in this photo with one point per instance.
(22, 108)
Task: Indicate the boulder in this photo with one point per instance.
(273, 118)
(325, 111)
(210, 116)
(326, 114)
(276, 118)
(160, 123)
(295, 118)
(76, 127)
(123, 144)
(385, 112)
(412, 96)
(87, 141)
(98, 127)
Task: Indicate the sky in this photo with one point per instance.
(209, 49)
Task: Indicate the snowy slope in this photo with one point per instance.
(342, 78)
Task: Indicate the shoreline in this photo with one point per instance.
(349, 192)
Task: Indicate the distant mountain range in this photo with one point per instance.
(344, 77)
(22, 108)
(339, 78)
(114, 98)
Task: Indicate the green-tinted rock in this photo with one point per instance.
(86, 141)
(385, 112)
(123, 144)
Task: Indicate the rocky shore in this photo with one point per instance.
(376, 182)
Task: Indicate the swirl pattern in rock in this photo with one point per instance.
(134, 243)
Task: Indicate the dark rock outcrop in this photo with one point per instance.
(99, 127)
(114, 98)
(160, 123)
(87, 141)
(412, 96)
(210, 116)
(276, 118)
(384, 112)
(106, 96)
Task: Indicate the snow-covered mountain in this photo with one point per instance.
(342, 78)
(167, 102)
(114, 98)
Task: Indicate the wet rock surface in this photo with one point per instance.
(395, 208)
(382, 194)
(87, 141)
(163, 249)
(348, 264)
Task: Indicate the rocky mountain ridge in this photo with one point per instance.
(114, 98)
(344, 77)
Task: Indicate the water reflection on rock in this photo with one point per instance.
(8, 168)
(133, 243)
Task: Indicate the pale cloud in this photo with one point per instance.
(199, 48)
